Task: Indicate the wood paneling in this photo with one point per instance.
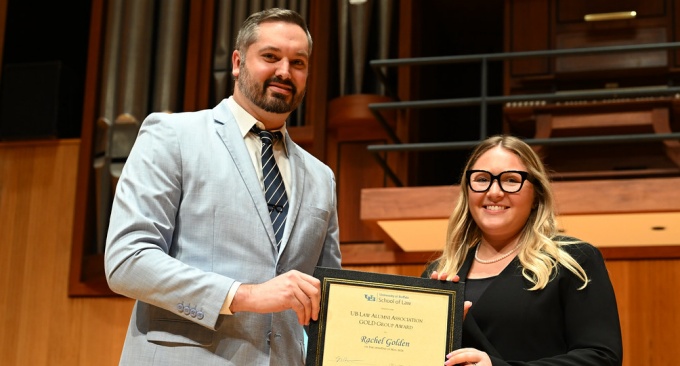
(41, 325)
(356, 170)
(528, 29)
(83, 221)
(630, 196)
(647, 297)
(573, 198)
(576, 10)
(317, 82)
(199, 56)
(352, 127)
(534, 25)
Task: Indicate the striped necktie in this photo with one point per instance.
(274, 189)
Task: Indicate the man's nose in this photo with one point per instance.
(283, 69)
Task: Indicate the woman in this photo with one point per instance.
(536, 296)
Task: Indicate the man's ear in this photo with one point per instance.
(236, 63)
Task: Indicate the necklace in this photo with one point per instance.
(494, 260)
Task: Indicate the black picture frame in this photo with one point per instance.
(407, 286)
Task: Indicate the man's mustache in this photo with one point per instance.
(281, 81)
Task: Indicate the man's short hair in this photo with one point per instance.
(247, 35)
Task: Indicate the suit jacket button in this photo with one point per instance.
(180, 307)
(187, 310)
(193, 312)
(199, 315)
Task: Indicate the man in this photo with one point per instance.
(191, 236)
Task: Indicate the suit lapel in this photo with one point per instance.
(298, 175)
(227, 128)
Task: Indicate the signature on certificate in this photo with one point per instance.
(350, 361)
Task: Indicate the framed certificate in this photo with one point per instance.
(383, 320)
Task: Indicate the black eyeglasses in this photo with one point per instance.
(510, 181)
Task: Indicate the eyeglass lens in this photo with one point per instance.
(510, 182)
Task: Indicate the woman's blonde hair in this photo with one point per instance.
(540, 250)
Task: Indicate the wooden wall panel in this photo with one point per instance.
(41, 325)
(648, 300)
(352, 127)
(572, 198)
(529, 28)
(356, 170)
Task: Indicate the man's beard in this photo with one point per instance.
(276, 103)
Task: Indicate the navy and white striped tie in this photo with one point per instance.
(274, 189)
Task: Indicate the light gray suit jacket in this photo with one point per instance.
(189, 218)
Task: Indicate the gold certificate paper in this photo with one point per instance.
(384, 320)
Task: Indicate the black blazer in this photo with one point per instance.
(559, 325)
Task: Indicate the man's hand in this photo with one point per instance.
(291, 290)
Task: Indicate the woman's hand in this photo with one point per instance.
(468, 356)
(445, 277)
